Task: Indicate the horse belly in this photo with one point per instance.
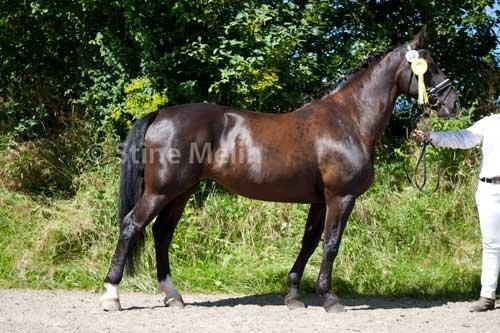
(291, 188)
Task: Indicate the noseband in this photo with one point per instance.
(437, 92)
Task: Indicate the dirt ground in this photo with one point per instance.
(76, 311)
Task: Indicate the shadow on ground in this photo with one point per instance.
(363, 303)
(417, 296)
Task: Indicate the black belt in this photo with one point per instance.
(494, 180)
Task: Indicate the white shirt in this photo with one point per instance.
(485, 132)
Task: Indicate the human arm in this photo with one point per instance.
(461, 139)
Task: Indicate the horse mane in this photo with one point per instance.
(353, 73)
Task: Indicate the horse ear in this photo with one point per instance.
(418, 40)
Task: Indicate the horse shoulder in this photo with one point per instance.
(343, 161)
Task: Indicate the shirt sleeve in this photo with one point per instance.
(462, 139)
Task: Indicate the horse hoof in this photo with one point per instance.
(174, 302)
(335, 308)
(332, 304)
(295, 303)
(110, 304)
(292, 299)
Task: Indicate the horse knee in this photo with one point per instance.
(331, 249)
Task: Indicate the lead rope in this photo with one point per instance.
(422, 161)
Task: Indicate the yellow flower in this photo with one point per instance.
(141, 99)
(116, 113)
(264, 80)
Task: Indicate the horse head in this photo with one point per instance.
(416, 61)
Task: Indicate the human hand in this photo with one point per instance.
(420, 136)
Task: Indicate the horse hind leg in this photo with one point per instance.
(312, 234)
(136, 220)
(163, 231)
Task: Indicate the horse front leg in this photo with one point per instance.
(338, 209)
(312, 234)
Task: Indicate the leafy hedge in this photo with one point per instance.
(60, 57)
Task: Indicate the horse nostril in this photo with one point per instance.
(456, 105)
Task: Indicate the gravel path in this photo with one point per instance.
(76, 311)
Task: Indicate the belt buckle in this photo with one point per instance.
(494, 180)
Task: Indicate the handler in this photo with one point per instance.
(485, 132)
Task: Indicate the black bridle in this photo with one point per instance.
(435, 93)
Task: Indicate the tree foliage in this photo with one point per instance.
(62, 57)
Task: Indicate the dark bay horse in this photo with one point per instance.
(321, 154)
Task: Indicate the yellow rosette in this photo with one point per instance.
(419, 67)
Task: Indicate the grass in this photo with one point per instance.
(397, 243)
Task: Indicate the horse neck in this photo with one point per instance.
(370, 97)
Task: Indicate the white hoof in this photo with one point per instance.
(110, 304)
(110, 301)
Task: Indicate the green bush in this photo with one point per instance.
(59, 57)
(48, 165)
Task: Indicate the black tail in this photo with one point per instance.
(132, 183)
